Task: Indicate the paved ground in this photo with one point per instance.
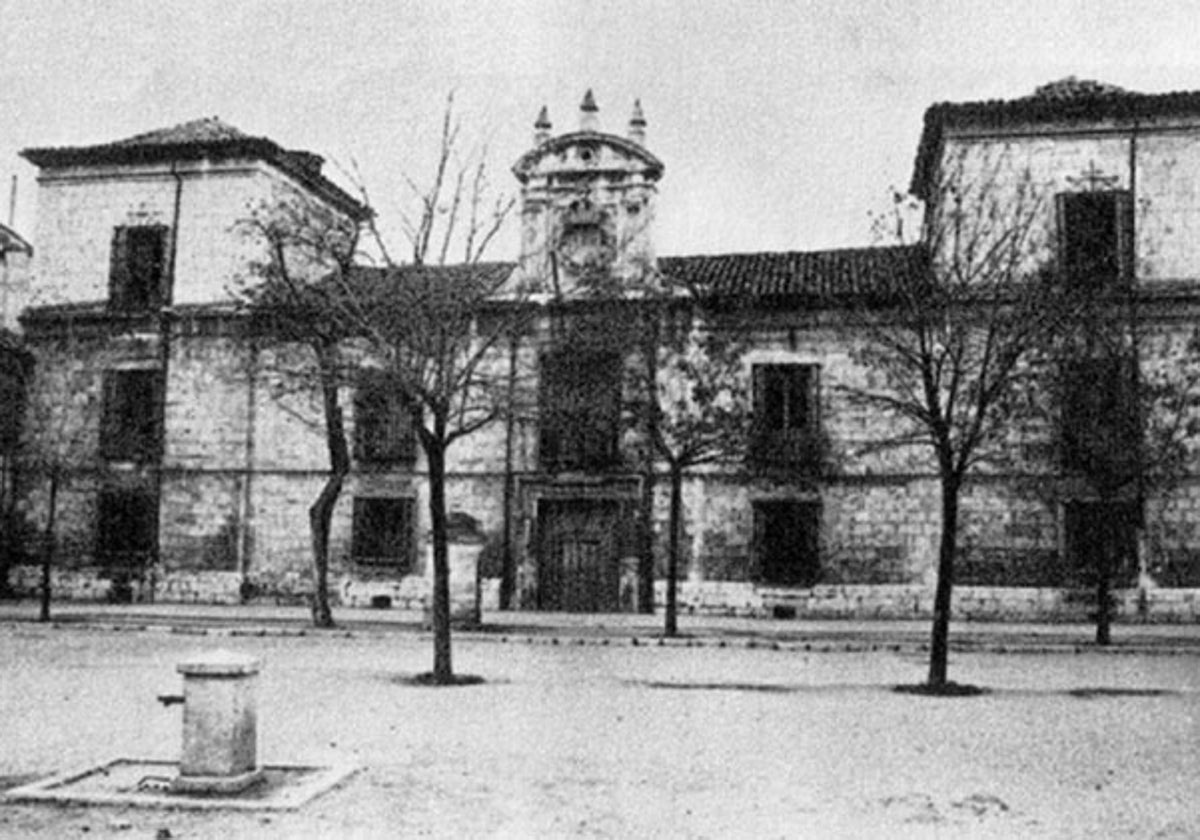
(577, 731)
(828, 635)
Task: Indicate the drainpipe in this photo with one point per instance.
(245, 502)
(508, 564)
(165, 315)
(1135, 342)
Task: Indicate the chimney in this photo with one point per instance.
(588, 121)
(541, 127)
(637, 124)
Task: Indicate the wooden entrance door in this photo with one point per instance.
(578, 564)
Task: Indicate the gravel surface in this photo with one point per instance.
(570, 740)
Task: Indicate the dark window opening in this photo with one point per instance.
(1101, 426)
(786, 415)
(787, 542)
(1103, 536)
(383, 532)
(580, 411)
(131, 415)
(1095, 237)
(14, 374)
(383, 423)
(127, 529)
(137, 268)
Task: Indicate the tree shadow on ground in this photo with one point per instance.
(947, 689)
(426, 679)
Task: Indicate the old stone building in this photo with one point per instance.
(191, 473)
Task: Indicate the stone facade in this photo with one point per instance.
(240, 462)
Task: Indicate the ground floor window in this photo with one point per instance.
(1103, 535)
(383, 532)
(786, 541)
(126, 529)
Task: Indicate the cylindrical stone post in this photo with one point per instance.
(220, 732)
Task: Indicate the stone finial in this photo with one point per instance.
(637, 124)
(541, 127)
(588, 119)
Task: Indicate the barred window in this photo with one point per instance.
(384, 532)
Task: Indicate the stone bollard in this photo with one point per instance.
(220, 737)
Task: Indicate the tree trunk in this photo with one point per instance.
(320, 514)
(8, 534)
(646, 531)
(674, 524)
(1104, 568)
(48, 545)
(435, 454)
(939, 647)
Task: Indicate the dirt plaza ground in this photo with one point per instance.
(591, 735)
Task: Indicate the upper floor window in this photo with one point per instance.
(383, 422)
(1095, 237)
(137, 269)
(786, 414)
(580, 410)
(129, 428)
(1101, 425)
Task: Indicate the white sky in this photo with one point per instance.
(782, 125)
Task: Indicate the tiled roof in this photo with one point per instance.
(488, 275)
(1067, 100)
(203, 130)
(203, 139)
(815, 277)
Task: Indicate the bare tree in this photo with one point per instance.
(951, 331)
(306, 241)
(702, 412)
(439, 330)
(1122, 421)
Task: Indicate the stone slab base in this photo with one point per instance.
(218, 784)
(150, 784)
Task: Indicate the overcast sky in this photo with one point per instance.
(781, 124)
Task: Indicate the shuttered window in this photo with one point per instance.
(1096, 238)
(383, 422)
(786, 415)
(137, 269)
